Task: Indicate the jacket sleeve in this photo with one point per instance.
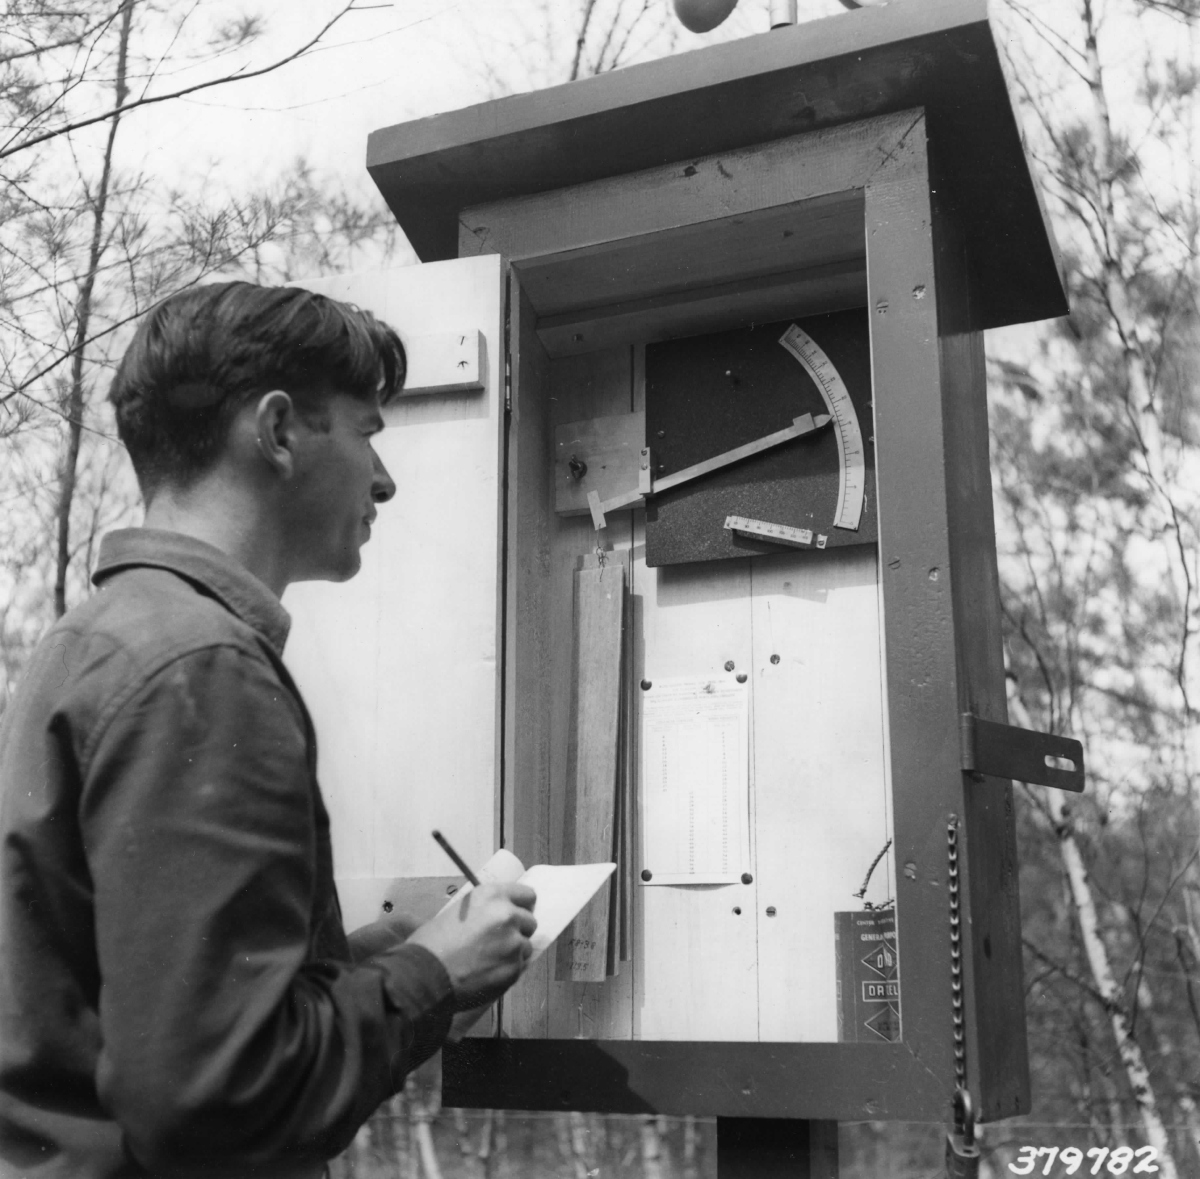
(224, 1043)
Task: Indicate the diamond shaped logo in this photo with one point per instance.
(883, 960)
(885, 1023)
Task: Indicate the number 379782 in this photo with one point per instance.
(1071, 1160)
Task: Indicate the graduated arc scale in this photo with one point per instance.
(852, 468)
(851, 461)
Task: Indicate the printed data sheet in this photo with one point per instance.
(694, 782)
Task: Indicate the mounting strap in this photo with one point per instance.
(994, 750)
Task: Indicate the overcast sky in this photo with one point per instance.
(385, 64)
(389, 62)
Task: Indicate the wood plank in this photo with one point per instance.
(591, 783)
(400, 666)
(820, 782)
(444, 362)
(527, 735)
(629, 826)
(990, 860)
(609, 446)
(579, 387)
(832, 287)
(720, 248)
(371, 898)
(918, 623)
(695, 956)
(853, 1082)
(796, 176)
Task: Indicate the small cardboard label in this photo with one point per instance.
(868, 975)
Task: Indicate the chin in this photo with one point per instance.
(343, 571)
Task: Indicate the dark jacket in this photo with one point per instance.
(177, 994)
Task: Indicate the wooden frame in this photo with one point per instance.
(886, 172)
(939, 55)
(938, 577)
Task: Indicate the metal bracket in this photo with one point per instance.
(994, 750)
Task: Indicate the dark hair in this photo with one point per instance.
(199, 356)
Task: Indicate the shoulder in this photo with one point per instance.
(144, 618)
(141, 623)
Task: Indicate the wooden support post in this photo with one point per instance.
(776, 1148)
(594, 763)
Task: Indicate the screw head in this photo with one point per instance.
(747, 878)
(646, 685)
(647, 874)
(774, 658)
(729, 665)
(741, 677)
(387, 906)
(770, 910)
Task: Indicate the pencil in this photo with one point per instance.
(460, 863)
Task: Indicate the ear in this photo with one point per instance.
(275, 425)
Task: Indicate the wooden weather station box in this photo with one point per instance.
(696, 569)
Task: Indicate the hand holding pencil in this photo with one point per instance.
(482, 941)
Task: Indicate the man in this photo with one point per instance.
(177, 995)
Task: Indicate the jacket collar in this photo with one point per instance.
(206, 567)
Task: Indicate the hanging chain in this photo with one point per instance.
(956, 962)
(962, 1151)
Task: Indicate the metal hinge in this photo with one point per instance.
(994, 750)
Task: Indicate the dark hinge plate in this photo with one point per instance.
(994, 750)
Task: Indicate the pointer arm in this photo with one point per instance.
(804, 424)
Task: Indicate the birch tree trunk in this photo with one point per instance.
(690, 1170)
(1128, 1049)
(1140, 405)
(83, 318)
(652, 1160)
(423, 1095)
(1183, 1099)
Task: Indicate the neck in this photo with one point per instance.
(236, 524)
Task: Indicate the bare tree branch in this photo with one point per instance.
(238, 76)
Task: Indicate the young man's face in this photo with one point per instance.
(340, 480)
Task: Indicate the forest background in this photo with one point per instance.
(146, 145)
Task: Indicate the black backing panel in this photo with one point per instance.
(709, 394)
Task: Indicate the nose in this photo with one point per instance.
(382, 485)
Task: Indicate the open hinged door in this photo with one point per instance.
(399, 667)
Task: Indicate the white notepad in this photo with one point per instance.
(562, 890)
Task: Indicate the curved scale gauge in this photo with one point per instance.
(852, 467)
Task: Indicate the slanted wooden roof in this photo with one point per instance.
(937, 54)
